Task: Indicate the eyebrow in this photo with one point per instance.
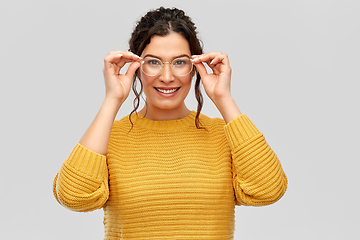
(154, 56)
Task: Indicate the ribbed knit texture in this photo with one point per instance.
(170, 180)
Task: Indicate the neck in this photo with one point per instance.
(164, 114)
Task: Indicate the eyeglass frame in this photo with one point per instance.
(163, 64)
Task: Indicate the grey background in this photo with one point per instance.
(295, 74)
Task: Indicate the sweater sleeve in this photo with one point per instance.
(258, 177)
(82, 182)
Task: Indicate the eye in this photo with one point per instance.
(153, 62)
(180, 62)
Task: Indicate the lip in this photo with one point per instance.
(170, 94)
(166, 88)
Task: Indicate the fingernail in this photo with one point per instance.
(134, 54)
(212, 62)
(119, 54)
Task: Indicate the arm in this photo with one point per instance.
(258, 178)
(82, 182)
(118, 87)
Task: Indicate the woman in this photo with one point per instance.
(166, 172)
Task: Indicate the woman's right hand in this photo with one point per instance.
(118, 85)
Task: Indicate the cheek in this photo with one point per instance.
(144, 79)
(146, 82)
(187, 81)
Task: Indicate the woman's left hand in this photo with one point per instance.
(217, 83)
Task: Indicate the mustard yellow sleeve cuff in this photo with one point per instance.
(87, 161)
(82, 182)
(239, 130)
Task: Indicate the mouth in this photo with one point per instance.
(167, 91)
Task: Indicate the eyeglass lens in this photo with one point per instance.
(180, 66)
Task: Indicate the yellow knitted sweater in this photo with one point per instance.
(170, 180)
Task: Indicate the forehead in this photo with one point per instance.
(168, 46)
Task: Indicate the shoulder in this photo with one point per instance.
(122, 125)
(212, 123)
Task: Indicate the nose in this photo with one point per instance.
(166, 74)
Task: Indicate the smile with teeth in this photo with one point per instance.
(167, 91)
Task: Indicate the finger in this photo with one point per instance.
(204, 59)
(111, 59)
(221, 58)
(212, 59)
(125, 57)
(218, 62)
(201, 69)
(128, 57)
(208, 57)
(119, 58)
(132, 69)
(124, 60)
(199, 62)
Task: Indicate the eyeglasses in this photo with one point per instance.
(181, 66)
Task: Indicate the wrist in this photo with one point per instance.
(112, 103)
(223, 102)
(228, 108)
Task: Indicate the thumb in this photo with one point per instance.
(201, 69)
(132, 68)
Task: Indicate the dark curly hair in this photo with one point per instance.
(161, 22)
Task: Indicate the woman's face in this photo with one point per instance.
(166, 92)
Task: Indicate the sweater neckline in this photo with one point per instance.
(164, 125)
